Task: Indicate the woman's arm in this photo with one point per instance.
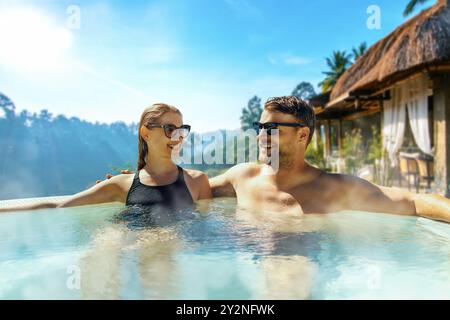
(221, 185)
(110, 190)
(205, 188)
(198, 184)
(38, 204)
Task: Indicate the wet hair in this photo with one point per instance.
(150, 115)
(295, 106)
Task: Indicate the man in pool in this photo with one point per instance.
(297, 187)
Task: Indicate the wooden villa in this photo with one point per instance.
(402, 85)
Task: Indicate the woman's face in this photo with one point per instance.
(157, 141)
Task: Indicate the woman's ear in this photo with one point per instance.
(144, 132)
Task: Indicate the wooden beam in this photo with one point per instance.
(361, 114)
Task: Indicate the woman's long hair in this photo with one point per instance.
(150, 115)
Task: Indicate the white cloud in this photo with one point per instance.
(296, 60)
(243, 8)
(288, 59)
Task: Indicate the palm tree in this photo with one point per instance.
(337, 64)
(359, 51)
(412, 4)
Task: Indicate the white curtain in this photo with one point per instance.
(394, 113)
(417, 102)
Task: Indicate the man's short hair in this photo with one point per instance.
(295, 106)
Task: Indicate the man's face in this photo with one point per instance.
(289, 141)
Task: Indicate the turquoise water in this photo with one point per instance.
(222, 253)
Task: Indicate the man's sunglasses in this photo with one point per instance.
(269, 126)
(172, 131)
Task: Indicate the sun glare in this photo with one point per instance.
(32, 41)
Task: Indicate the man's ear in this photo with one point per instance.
(303, 134)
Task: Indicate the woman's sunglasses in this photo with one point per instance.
(172, 131)
(269, 126)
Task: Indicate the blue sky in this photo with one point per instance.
(208, 57)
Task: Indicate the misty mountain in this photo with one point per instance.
(45, 155)
(42, 155)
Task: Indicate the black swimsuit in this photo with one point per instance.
(150, 206)
(173, 196)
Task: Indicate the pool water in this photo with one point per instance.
(220, 252)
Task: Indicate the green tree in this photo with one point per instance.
(337, 64)
(359, 51)
(378, 157)
(251, 113)
(412, 5)
(314, 154)
(7, 106)
(304, 90)
(126, 166)
(353, 151)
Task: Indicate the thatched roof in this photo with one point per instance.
(422, 41)
(320, 100)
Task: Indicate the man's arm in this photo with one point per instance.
(432, 206)
(222, 186)
(370, 197)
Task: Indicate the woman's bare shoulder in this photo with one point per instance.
(123, 181)
(194, 174)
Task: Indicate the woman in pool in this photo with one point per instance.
(158, 181)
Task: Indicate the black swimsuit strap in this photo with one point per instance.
(180, 177)
(180, 174)
(172, 195)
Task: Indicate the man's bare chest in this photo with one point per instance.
(259, 194)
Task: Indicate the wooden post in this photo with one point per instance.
(340, 137)
(327, 139)
(441, 92)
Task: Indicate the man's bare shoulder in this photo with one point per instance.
(244, 170)
(346, 182)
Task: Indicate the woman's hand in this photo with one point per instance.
(113, 189)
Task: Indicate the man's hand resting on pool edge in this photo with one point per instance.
(109, 175)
